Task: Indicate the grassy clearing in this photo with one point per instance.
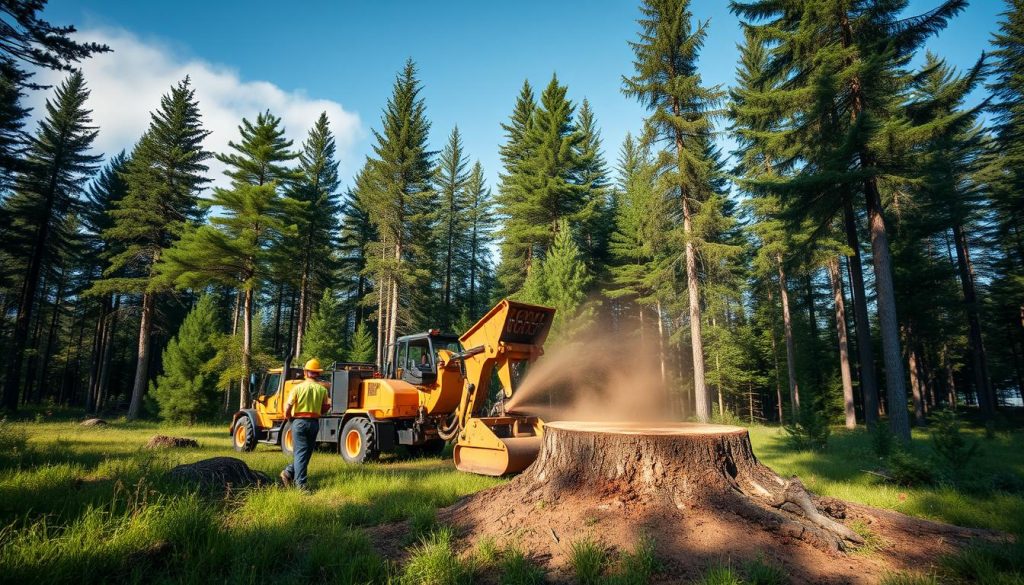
(992, 498)
(89, 505)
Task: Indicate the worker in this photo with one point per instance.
(307, 403)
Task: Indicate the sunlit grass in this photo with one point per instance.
(90, 505)
(841, 471)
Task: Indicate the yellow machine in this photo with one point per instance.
(433, 389)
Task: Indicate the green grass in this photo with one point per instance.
(89, 505)
(588, 559)
(839, 471)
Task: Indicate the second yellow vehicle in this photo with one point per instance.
(434, 388)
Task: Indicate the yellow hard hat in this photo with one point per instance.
(313, 365)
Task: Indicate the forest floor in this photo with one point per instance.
(91, 505)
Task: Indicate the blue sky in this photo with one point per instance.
(302, 57)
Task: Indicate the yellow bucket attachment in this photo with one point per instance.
(498, 445)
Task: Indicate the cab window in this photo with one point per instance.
(419, 357)
(271, 384)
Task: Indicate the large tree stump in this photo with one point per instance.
(683, 465)
(699, 493)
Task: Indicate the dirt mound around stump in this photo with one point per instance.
(703, 497)
(93, 422)
(219, 473)
(164, 441)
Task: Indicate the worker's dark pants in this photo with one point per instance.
(304, 432)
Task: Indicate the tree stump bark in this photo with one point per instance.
(683, 465)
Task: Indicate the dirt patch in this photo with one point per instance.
(702, 499)
(220, 473)
(166, 442)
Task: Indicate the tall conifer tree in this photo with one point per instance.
(682, 109)
(516, 248)
(237, 246)
(400, 201)
(318, 219)
(452, 217)
(57, 166)
(165, 174)
(855, 66)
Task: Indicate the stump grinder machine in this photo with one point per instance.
(433, 389)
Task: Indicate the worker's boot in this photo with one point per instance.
(286, 479)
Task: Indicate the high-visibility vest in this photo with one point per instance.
(307, 399)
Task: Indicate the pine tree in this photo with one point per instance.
(948, 200)
(639, 240)
(186, 390)
(1005, 177)
(400, 202)
(318, 222)
(324, 335)
(592, 176)
(516, 250)
(847, 132)
(480, 217)
(357, 235)
(682, 112)
(362, 348)
(451, 181)
(58, 163)
(562, 281)
(12, 122)
(106, 191)
(545, 185)
(237, 246)
(28, 40)
(165, 174)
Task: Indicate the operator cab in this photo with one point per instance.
(414, 357)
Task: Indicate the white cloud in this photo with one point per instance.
(127, 84)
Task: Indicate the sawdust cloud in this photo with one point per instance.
(595, 378)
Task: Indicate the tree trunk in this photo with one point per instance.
(865, 349)
(243, 394)
(661, 340)
(844, 354)
(103, 390)
(142, 365)
(794, 390)
(775, 361)
(678, 466)
(393, 312)
(916, 390)
(277, 319)
(979, 363)
(300, 331)
(98, 341)
(895, 387)
(700, 390)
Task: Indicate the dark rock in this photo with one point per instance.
(220, 473)
(163, 441)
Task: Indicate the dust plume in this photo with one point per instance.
(600, 378)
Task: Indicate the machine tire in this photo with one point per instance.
(358, 441)
(287, 441)
(243, 436)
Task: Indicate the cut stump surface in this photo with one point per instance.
(701, 494)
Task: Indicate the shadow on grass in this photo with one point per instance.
(92, 507)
